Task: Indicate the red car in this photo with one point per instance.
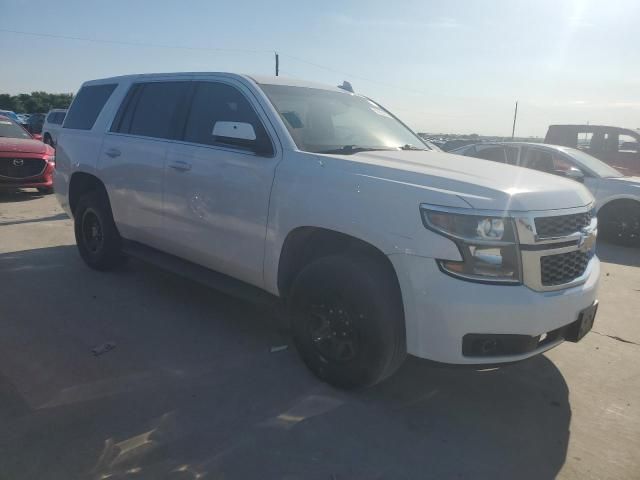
(25, 162)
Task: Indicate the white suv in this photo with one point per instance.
(52, 126)
(319, 198)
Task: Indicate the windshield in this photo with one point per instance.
(601, 169)
(10, 129)
(325, 121)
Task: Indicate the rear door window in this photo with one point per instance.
(538, 160)
(155, 109)
(87, 106)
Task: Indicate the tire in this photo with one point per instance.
(355, 297)
(97, 237)
(45, 190)
(47, 139)
(619, 223)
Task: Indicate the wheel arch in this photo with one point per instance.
(617, 199)
(303, 245)
(81, 183)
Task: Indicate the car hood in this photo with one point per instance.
(626, 180)
(626, 184)
(480, 184)
(22, 145)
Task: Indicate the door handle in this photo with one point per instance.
(113, 153)
(180, 165)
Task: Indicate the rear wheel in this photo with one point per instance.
(348, 320)
(97, 237)
(619, 222)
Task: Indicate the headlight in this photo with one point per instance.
(488, 245)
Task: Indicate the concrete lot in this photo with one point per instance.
(191, 389)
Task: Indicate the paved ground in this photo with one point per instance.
(191, 389)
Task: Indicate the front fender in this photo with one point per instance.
(313, 191)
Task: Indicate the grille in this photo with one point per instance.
(562, 225)
(30, 167)
(563, 268)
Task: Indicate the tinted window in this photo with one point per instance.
(55, 118)
(214, 102)
(87, 106)
(491, 153)
(538, 160)
(122, 122)
(153, 109)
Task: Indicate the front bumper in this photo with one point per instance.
(440, 310)
(42, 180)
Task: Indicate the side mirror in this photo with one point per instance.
(242, 135)
(234, 130)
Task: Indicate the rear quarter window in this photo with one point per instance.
(87, 106)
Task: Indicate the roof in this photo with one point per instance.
(518, 144)
(260, 79)
(292, 82)
(588, 127)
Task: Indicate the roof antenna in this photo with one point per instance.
(346, 86)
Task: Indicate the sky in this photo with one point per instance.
(441, 66)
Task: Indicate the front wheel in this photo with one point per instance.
(619, 222)
(97, 237)
(348, 321)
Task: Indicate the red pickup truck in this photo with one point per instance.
(619, 147)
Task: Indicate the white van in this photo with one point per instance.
(314, 196)
(52, 125)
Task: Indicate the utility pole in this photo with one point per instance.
(515, 115)
(277, 64)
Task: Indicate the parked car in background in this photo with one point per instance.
(52, 126)
(618, 147)
(617, 196)
(35, 123)
(11, 114)
(24, 161)
(23, 118)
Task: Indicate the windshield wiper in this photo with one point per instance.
(351, 149)
(408, 146)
